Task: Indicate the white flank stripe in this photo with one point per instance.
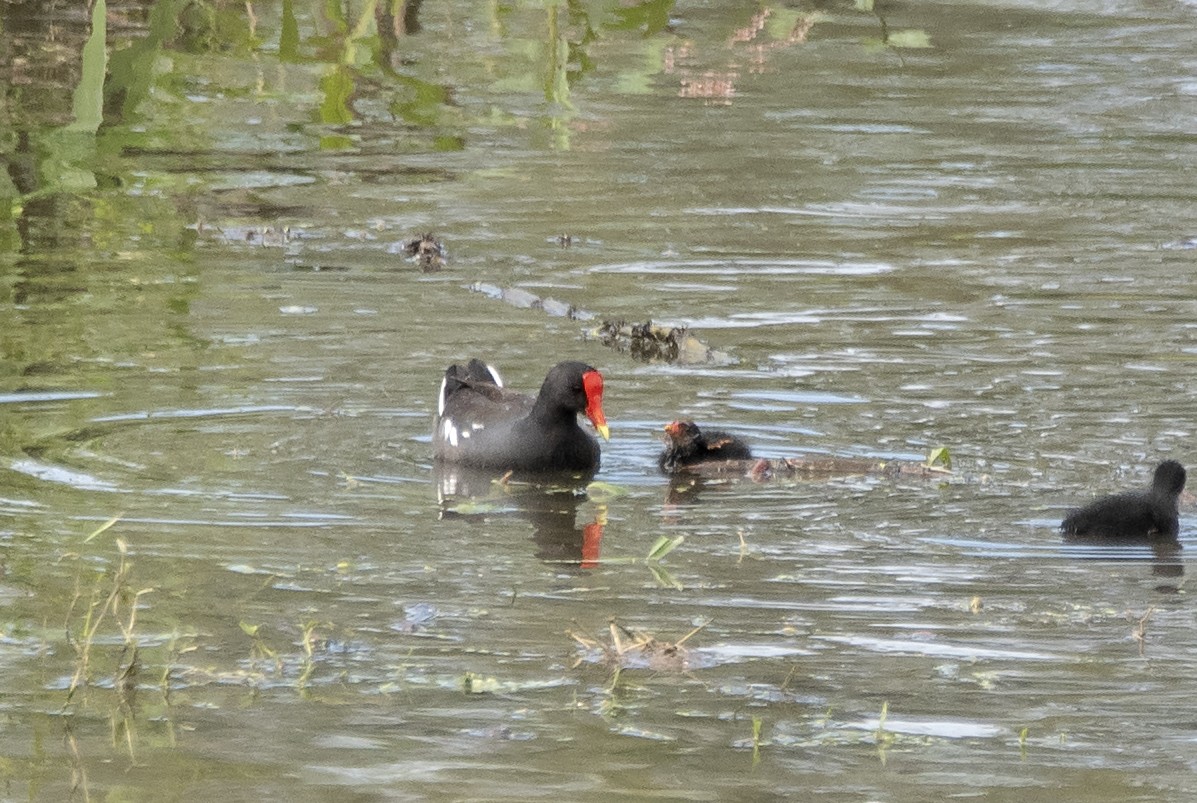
(494, 372)
(449, 432)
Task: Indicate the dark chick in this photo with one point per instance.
(1134, 514)
(687, 445)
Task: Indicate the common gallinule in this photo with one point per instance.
(1134, 514)
(687, 445)
(481, 423)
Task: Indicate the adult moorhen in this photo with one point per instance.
(482, 424)
(687, 445)
(1134, 514)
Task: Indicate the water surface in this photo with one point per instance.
(210, 332)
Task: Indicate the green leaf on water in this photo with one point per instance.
(248, 629)
(909, 38)
(103, 527)
(663, 546)
(663, 577)
(475, 507)
(600, 491)
(473, 683)
(939, 456)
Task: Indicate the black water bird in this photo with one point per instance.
(1150, 514)
(481, 423)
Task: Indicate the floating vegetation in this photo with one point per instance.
(755, 742)
(259, 651)
(645, 341)
(602, 491)
(117, 602)
(1139, 633)
(883, 738)
(268, 665)
(937, 466)
(263, 236)
(660, 548)
(939, 458)
(631, 649)
(473, 683)
(649, 342)
(524, 299)
(111, 601)
(663, 546)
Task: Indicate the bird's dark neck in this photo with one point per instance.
(543, 413)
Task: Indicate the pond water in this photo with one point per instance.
(225, 568)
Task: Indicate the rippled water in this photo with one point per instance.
(985, 245)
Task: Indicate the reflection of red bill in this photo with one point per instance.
(592, 539)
